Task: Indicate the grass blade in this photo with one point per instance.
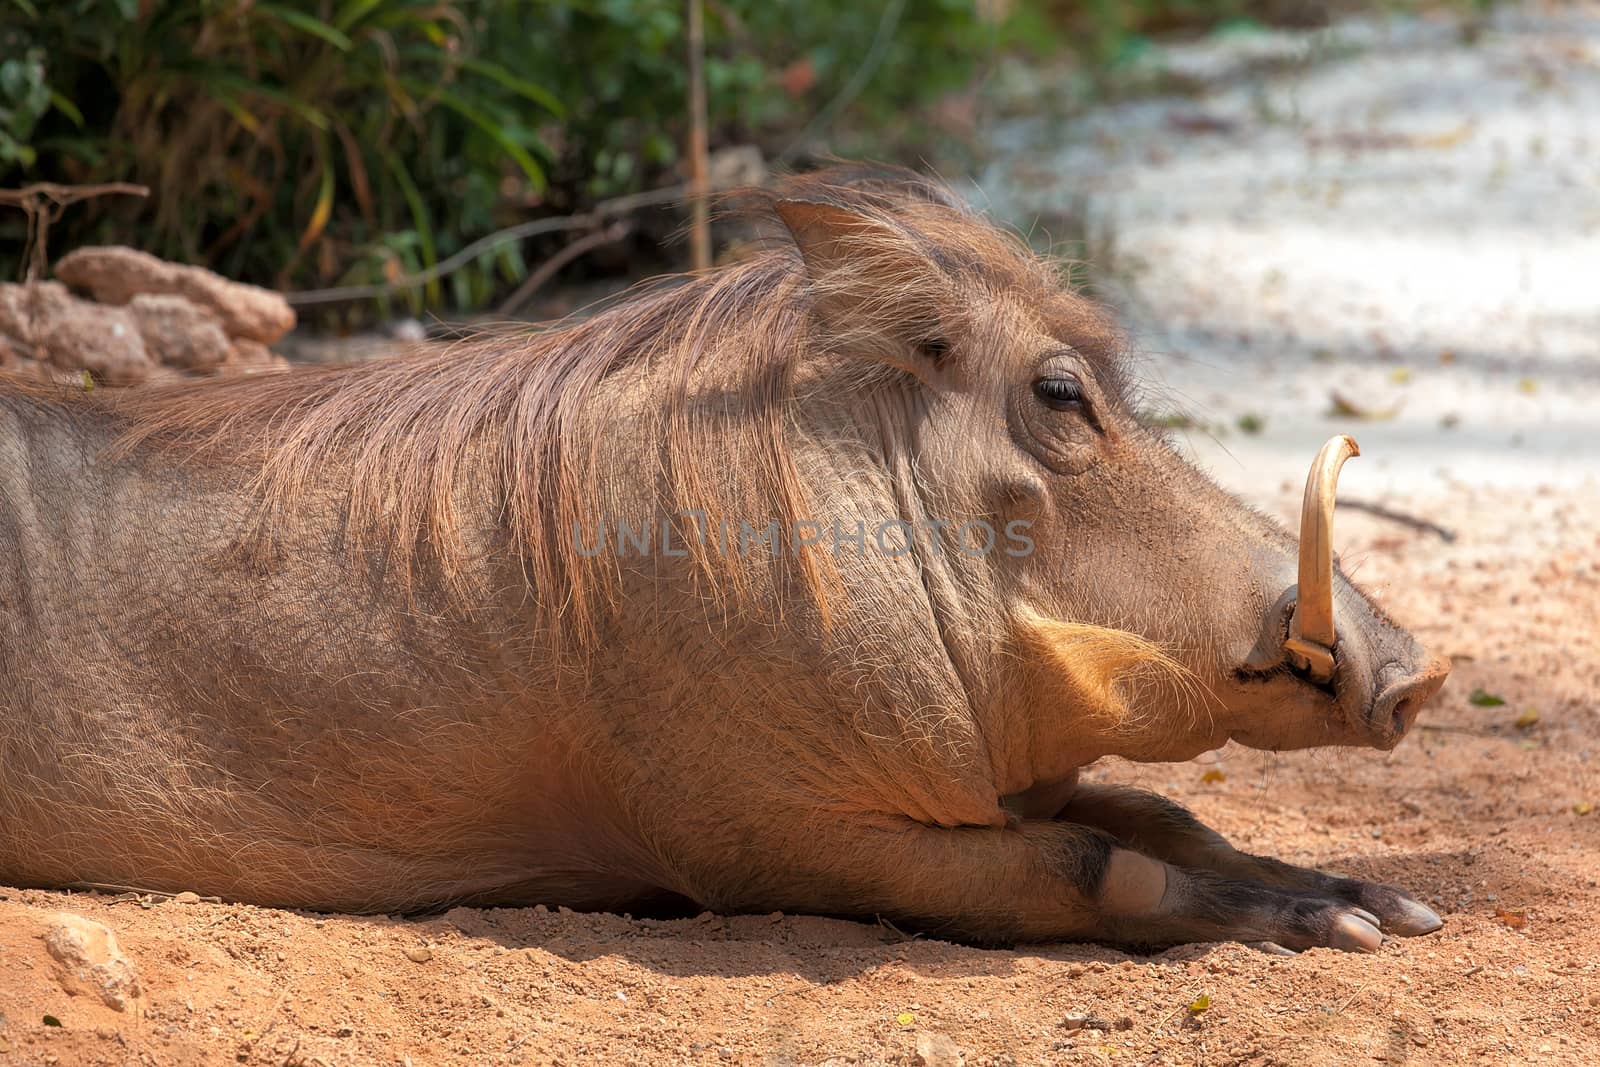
(419, 215)
(307, 24)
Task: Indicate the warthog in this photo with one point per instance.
(808, 583)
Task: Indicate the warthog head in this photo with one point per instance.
(1145, 598)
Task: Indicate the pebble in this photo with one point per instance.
(419, 953)
(937, 1050)
(90, 955)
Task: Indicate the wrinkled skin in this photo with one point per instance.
(295, 730)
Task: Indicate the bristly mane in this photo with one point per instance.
(508, 411)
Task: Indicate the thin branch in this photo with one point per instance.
(1444, 534)
(699, 184)
(555, 224)
(549, 268)
(67, 194)
(852, 88)
(43, 203)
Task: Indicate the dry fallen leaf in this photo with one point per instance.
(1448, 138)
(1516, 918)
(1526, 720)
(1213, 775)
(1582, 807)
(906, 1020)
(1200, 1004)
(1341, 406)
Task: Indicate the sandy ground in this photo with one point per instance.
(1383, 211)
(1312, 214)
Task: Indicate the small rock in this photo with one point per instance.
(21, 305)
(419, 953)
(408, 330)
(178, 333)
(75, 334)
(10, 354)
(186, 897)
(937, 1050)
(91, 957)
(251, 357)
(31, 369)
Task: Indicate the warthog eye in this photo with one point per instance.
(1060, 394)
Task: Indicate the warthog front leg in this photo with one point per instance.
(1165, 830)
(1047, 880)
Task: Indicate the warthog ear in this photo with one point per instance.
(832, 239)
(877, 292)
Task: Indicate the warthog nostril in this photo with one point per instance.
(1397, 706)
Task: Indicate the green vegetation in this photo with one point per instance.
(312, 142)
(302, 143)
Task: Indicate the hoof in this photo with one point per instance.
(1411, 918)
(1356, 931)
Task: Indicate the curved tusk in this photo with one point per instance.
(1311, 633)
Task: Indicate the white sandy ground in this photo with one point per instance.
(1385, 209)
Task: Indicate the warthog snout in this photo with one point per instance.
(1398, 702)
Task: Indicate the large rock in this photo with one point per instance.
(21, 305)
(91, 959)
(79, 335)
(177, 333)
(115, 275)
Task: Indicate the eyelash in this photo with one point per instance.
(1065, 398)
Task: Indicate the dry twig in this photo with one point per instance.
(547, 270)
(699, 182)
(43, 203)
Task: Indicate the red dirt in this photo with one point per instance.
(1483, 813)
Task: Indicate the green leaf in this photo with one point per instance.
(1482, 698)
(472, 114)
(419, 215)
(241, 114)
(20, 153)
(67, 108)
(322, 210)
(307, 24)
(521, 86)
(354, 12)
(221, 80)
